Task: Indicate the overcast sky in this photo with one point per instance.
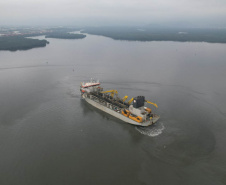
(115, 12)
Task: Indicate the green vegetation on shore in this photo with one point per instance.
(14, 43)
(160, 34)
(15, 38)
(62, 35)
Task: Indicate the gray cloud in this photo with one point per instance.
(112, 11)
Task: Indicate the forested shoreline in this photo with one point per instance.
(14, 43)
(60, 35)
(160, 34)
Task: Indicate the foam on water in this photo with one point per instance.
(151, 131)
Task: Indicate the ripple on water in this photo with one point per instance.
(151, 131)
(73, 93)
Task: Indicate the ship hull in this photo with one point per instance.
(119, 115)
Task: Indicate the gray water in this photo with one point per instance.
(48, 135)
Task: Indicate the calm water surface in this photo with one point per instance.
(48, 135)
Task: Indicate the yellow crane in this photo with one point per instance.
(129, 102)
(113, 92)
(124, 98)
(152, 103)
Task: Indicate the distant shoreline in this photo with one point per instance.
(16, 39)
(160, 34)
(15, 43)
(65, 36)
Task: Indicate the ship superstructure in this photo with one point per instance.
(134, 111)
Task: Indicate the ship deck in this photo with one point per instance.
(114, 108)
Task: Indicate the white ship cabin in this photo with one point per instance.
(90, 86)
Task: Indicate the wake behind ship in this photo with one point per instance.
(133, 111)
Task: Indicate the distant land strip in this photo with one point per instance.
(60, 35)
(14, 43)
(160, 34)
(13, 39)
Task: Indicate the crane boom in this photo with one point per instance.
(152, 103)
(124, 98)
(113, 92)
(129, 102)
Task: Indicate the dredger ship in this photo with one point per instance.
(133, 111)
